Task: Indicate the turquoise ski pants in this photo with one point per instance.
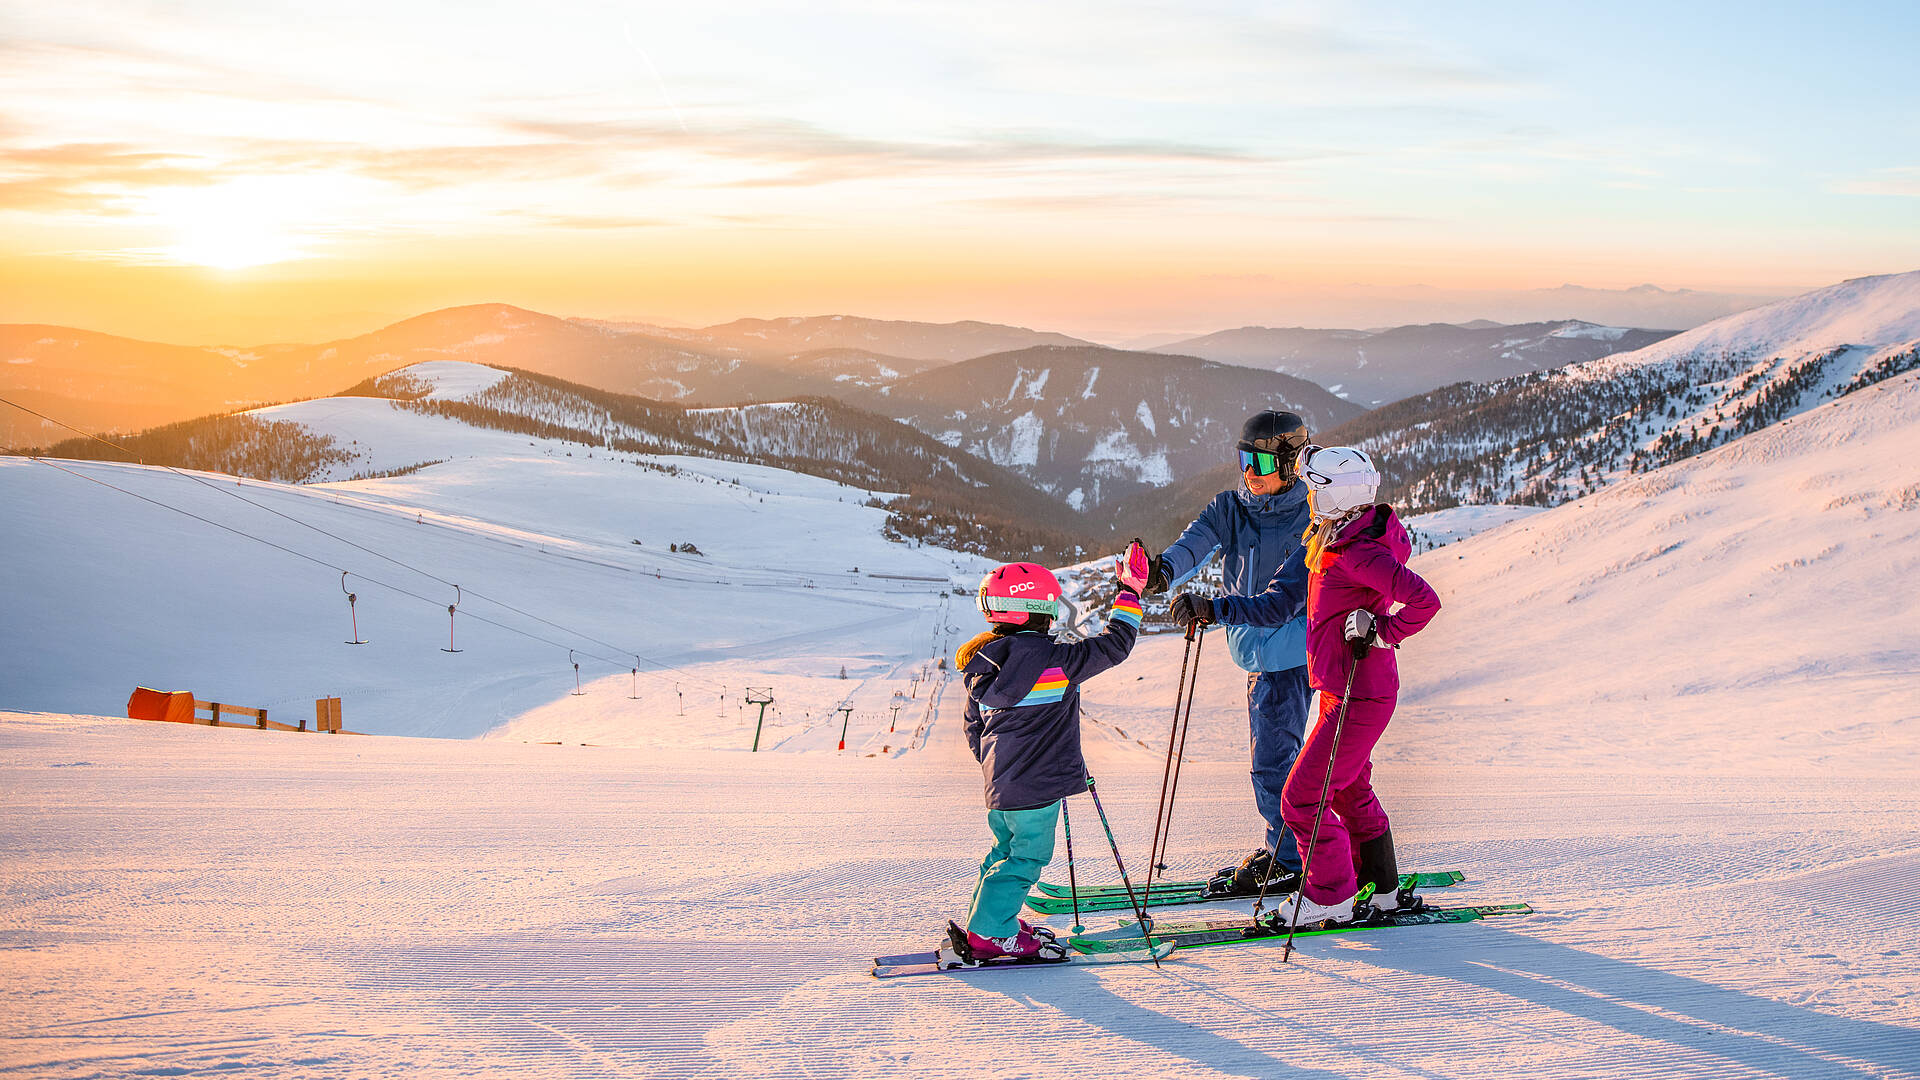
(1022, 848)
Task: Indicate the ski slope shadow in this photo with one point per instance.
(1677, 1019)
(1094, 1005)
(1038, 1022)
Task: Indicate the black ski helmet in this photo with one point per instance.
(1282, 434)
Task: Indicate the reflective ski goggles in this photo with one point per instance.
(1261, 462)
(1271, 455)
(991, 604)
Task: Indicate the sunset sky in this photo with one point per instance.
(257, 171)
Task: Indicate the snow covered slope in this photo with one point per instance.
(1678, 717)
(1443, 527)
(107, 590)
(1750, 596)
(1881, 310)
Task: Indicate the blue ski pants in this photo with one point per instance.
(1277, 703)
(1022, 848)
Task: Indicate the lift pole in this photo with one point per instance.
(763, 697)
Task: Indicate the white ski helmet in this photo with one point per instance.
(1339, 479)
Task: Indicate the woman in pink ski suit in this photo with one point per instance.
(1349, 574)
(1362, 567)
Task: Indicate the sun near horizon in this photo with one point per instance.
(184, 176)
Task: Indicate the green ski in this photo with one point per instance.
(1204, 932)
(1051, 899)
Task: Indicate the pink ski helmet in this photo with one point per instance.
(1010, 593)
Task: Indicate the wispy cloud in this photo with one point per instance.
(592, 222)
(90, 177)
(1904, 180)
(780, 140)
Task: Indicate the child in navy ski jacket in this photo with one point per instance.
(1023, 726)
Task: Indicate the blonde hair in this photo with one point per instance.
(1321, 533)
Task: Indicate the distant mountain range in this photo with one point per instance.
(1547, 437)
(102, 382)
(788, 339)
(1115, 421)
(1093, 425)
(1074, 438)
(1373, 367)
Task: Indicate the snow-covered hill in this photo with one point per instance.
(1551, 436)
(1678, 717)
(577, 549)
(1746, 597)
(933, 493)
(1881, 310)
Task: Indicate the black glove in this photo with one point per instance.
(1157, 576)
(1362, 631)
(1189, 608)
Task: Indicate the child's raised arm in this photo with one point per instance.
(1081, 660)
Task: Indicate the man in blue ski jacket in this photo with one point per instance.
(1255, 527)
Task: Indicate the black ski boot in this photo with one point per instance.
(956, 951)
(1379, 868)
(1255, 872)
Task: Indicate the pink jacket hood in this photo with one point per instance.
(1364, 566)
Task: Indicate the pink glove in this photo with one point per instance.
(1133, 567)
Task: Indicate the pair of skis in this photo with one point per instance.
(1125, 944)
(1051, 899)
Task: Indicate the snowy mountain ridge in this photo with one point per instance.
(1373, 367)
(1875, 311)
(1093, 425)
(1543, 438)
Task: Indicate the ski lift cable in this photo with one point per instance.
(335, 536)
(320, 562)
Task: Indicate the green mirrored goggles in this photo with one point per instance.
(1261, 462)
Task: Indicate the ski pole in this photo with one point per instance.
(1146, 924)
(1073, 883)
(1180, 758)
(1166, 772)
(1313, 839)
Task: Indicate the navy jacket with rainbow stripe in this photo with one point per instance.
(1023, 708)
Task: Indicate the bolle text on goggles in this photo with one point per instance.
(989, 604)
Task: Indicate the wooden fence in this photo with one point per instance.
(182, 707)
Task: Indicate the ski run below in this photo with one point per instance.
(1678, 717)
